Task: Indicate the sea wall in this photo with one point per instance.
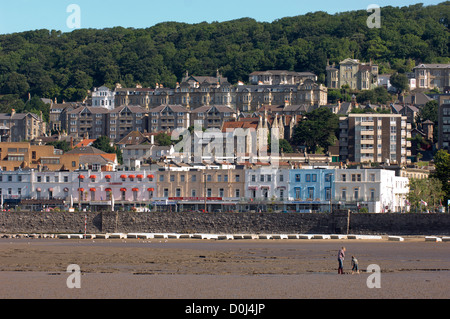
(255, 223)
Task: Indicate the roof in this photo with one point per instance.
(243, 123)
(90, 159)
(134, 138)
(131, 108)
(174, 108)
(86, 150)
(16, 116)
(433, 66)
(95, 110)
(85, 142)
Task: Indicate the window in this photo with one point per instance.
(194, 193)
(344, 177)
(208, 178)
(372, 194)
(172, 178)
(178, 192)
(221, 192)
(298, 193)
(261, 178)
(314, 177)
(225, 178)
(281, 194)
(269, 178)
(66, 179)
(194, 178)
(181, 178)
(308, 177)
(311, 192)
(344, 194)
(219, 178)
(209, 192)
(161, 178)
(166, 192)
(237, 192)
(327, 193)
(237, 178)
(281, 178)
(356, 193)
(253, 178)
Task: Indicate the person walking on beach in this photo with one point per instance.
(355, 265)
(341, 256)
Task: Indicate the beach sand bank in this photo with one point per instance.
(174, 268)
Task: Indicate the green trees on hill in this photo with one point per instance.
(66, 65)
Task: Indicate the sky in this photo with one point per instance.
(25, 15)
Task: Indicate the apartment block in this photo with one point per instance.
(124, 119)
(167, 118)
(444, 125)
(381, 138)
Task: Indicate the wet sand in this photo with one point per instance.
(205, 269)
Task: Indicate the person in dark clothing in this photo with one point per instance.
(341, 256)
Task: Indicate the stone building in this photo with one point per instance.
(352, 72)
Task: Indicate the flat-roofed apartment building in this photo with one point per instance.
(15, 156)
(444, 122)
(188, 185)
(377, 138)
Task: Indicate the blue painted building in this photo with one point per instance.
(310, 189)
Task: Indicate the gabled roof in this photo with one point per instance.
(131, 108)
(134, 138)
(88, 109)
(243, 123)
(85, 142)
(86, 150)
(173, 108)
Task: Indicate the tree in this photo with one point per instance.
(425, 194)
(318, 128)
(104, 144)
(400, 82)
(442, 171)
(15, 84)
(61, 145)
(163, 139)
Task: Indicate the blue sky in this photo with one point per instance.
(24, 15)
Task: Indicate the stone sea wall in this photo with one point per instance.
(223, 223)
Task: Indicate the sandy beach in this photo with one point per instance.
(230, 269)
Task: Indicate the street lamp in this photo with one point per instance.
(331, 192)
(205, 174)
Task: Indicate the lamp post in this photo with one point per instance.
(331, 193)
(205, 174)
(79, 191)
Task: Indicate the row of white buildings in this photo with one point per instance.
(193, 187)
